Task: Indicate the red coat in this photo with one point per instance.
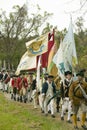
(18, 83)
(26, 82)
(14, 83)
(21, 81)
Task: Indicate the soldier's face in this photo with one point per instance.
(30, 76)
(50, 80)
(80, 77)
(69, 76)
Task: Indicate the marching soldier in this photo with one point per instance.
(23, 91)
(6, 81)
(48, 90)
(1, 80)
(78, 96)
(34, 93)
(65, 86)
(30, 81)
(57, 83)
(14, 87)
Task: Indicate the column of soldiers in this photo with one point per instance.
(54, 95)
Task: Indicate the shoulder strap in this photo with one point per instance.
(75, 90)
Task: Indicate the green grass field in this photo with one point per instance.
(20, 116)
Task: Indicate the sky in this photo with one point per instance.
(61, 10)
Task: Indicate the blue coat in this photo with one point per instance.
(45, 87)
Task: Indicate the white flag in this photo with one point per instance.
(69, 49)
(66, 58)
(59, 61)
(26, 63)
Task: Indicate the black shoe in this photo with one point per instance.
(69, 121)
(31, 100)
(76, 127)
(71, 114)
(14, 98)
(84, 127)
(62, 118)
(53, 116)
(42, 111)
(49, 111)
(25, 101)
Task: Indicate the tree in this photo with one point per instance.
(81, 42)
(16, 29)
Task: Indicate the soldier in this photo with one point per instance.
(1, 80)
(84, 71)
(23, 91)
(6, 80)
(57, 81)
(65, 86)
(78, 99)
(48, 90)
(34, 93)
(14, 87)
(30, 81)
(42, 95)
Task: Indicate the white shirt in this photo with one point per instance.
(50, 90)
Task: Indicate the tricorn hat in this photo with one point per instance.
(80, 73)
(50, 76)
(83, 70)
(67, 72)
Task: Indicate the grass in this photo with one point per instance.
(20, 116)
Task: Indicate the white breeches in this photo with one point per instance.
(34, 97)
(66, 106)
(52, 107)
(1, 85)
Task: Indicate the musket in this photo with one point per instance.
(83, 91)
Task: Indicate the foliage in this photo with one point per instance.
(81, 43)
(19, 27)
(16, 28)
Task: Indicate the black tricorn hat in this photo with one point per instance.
(50, 76)
(67, 72)
(83, 70)
(80, 73)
